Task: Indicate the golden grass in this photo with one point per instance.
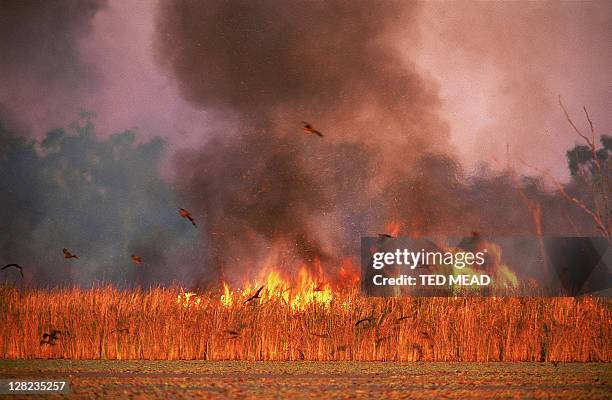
(105, 323)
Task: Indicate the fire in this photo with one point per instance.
(393, 227)
(226, 298)
(306, 288)
(309, 285)
(188, 299)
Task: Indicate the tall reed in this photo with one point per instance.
(105, 323)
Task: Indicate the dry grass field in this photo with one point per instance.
(318, 325)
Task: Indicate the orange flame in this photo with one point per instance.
(393, 227)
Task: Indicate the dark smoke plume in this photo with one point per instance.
(261, 184)
(41, 64)
(273, 64)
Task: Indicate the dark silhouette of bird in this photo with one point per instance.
(426, 336)
(404, 317)
(51, 338)
(19, 267)
(366, 319)
(186, 214)
(68, 254)
(308, 129)
(136, 259)
(255, 296)
(382, 237)
(232, 334)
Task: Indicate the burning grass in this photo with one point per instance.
(167, 323)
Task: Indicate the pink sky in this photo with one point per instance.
(499, 69)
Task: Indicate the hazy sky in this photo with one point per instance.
(226, 84)
(498, 68)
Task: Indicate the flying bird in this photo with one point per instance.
(19, 267)
(308, 129)
(68, 254)
(186, 214)
(136, 259)
(50, 338)
(382, 237)
(232, 334)
(366, 319)
(255, 296)
(404, 317)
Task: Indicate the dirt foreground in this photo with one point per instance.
(314, 380)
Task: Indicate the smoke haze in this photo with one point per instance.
(270, 65)
(413, 99)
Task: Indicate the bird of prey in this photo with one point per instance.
(366, 319)
(186, 214)
(383, 237)
(50, 338)
(136, 259)
(255, 296)
(68, 254)
(404, 317)
(232, 333)
(308, 129)
(19, 267)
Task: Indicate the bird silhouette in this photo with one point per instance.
(68, 254)
(255, 296)
(404, 317)
(19, 267)
(186, 214)
(383, 237)
(51, 338)
(366, 319)
(136, 259)
(426, 336)
(308, 129)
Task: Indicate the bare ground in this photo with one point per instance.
(316, 380)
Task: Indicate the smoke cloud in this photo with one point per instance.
(42, 66)
(407, 95)
(385, 154)
(501, 67)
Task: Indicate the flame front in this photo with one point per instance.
(309, 286)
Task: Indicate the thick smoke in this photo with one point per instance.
(265, 185)
(271, 65)
(42, 66)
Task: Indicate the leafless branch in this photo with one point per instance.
(594, 215)
(569, 119)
